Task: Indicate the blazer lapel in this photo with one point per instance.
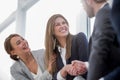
(26, 70)
(59, 62)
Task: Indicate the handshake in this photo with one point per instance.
(74, 69)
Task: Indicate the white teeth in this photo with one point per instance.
(62, 30)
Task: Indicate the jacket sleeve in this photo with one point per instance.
(82, 46)
(114, 75)
(17, 74)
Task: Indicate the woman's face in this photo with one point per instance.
(61, 28)
(20, 45)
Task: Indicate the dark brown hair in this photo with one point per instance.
(8, 47)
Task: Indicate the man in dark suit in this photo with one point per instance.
(115, 13)
(104, 47)
(115, 18)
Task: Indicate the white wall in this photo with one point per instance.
(5, 61)
(6, 8)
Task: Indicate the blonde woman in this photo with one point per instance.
(67, 48)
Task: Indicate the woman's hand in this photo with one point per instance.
(65, 69)
(74, 69)
(52, 61)
(78, 68)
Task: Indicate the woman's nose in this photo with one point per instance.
(23, 42)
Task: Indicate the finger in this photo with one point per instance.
(73, 71)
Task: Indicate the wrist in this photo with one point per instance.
(63, 72)
(49, 70)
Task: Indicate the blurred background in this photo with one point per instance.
(29, 18)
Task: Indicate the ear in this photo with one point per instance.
(13, 52)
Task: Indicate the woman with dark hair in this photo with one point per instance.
(29, 65)
(70, 50)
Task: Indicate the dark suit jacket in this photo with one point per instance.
(115, 16)
(104, 48)
(114, 75)
(78, 52)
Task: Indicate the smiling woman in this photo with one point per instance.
(38, 15)
(36, 20)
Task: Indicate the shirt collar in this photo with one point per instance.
(103, 5)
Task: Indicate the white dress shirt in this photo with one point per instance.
(37, 76)
(62, 54)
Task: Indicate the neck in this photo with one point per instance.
(27, 57)
(62, 41)
(97, 7)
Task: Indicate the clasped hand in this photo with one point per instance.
(75, 68)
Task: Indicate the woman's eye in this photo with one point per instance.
(18, 42)
(63, 22)
(57, 25)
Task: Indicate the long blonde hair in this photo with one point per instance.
(51, 41)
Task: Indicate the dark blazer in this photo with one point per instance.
(78, 52)
(104, 47)
(114, 75)
(115, 16)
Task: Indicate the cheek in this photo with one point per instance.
(17, 48)
(67, 28)
(55, 30)
(56, 33)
